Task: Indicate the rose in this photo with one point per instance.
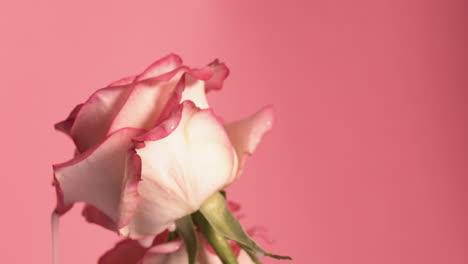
(150, 150)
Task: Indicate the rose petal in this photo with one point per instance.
(95, 177)
(166, 248)
(185, 160)
(125, 252)
(94, 216)
(247, 133)
(146, 104)
(95, 116)
(180, 256)
(220, 73)
(66, 125)
(146, 101)
(161, 66)
(124, 81)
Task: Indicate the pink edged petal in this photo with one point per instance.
(66, 125)
(95, 177)
(185, 160)
(247, 133)
(95, 116)
(94, 216)
(201, 81)
(125, 252)
(161, 66)
(151, 100)
(147, 101)
(124, 81)
(195, 91)
(220, 73)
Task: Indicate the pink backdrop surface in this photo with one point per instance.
(368, 159)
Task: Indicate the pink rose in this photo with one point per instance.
(150, 150)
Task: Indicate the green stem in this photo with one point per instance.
(219, 243)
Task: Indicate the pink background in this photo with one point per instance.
(368, 159)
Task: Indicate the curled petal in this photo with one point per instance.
(66, 125)
(150, 99)
(220, 73)
(124, 81)
(92, 121)
(247, 133)
(146, 101)
(95, 177)
(185, 159)
(161, 66)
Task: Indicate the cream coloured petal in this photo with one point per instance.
(195, 91)
(185, 160)
(246, 134)
(95, 177)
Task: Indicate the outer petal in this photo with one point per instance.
(124, 81)
(66, 125)
(246, 134)
(130, 251)
(95, 177)
(125, 252)
(94, 216)
(220, 73)
(146, 101)
(161, 66)
(150, 98)
(95, 116)
(185, 159)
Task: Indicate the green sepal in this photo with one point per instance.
(172, 236)
(218, 242)
(186, 230)
(251, 254)
(217, 213)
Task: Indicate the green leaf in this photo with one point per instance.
(218, 242)
(186, 231)
(217, 213)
